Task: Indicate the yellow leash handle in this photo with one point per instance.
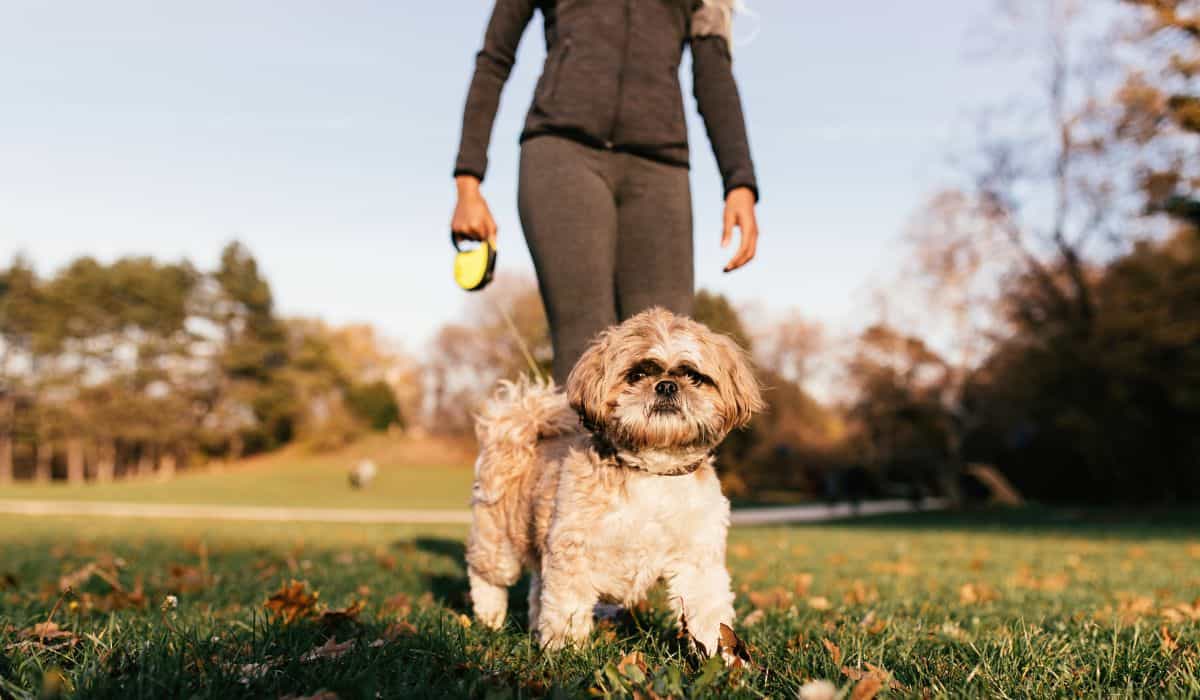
(473, 267)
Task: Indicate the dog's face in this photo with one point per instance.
(663, 382)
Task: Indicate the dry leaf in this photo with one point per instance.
(293, 601)
(349, 614)
(319, 695)
(329, 650)
(732, 649)
(885, 678)
(867, 688)
(835, 652)
(819, 602)
(859, 593)
(632, 660)
(777, 597)
(972, 593)
(400, 604)
(1182, 612)
(801, 583)
(49, 635)
(1169, 644)
(753, 618)
(399, 629)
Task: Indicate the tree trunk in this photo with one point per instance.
(106, 462)
(166, 466)
(7, 413)
(76, 461)
(44, 471)
(145, 465)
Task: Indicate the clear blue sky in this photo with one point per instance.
(322, 133)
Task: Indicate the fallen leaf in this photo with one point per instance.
(329, 650)
(801, 583)
(872, 624)
(403, 628)
(777, 597)
(399, 604)
(885, 678)
(867, 688)
(859, 593)
(49, 635)
(835, 652)
(732, 649)
(1182, 612)
(819, 602)
(331, 618)
(185, 579)
(1169, 643)
(755, 617)
(319, 695)
(633, 666)
(973, 593)
(293, 601)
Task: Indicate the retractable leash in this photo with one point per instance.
(473, 267)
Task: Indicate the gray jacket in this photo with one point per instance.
(611, 80)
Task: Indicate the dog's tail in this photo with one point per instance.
(509, 427)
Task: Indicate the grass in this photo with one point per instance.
(1026, 604)
(412, 474)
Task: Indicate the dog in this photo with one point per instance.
(604, 489)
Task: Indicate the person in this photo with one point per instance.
(603, 189)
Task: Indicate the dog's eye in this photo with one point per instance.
(697, 378)
(635, 376)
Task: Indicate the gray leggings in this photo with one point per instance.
(610, 234)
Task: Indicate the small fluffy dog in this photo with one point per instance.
(605, 489)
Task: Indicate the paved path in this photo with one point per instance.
(745, 516)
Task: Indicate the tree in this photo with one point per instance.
(1160, 106)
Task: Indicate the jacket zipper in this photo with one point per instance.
(612, 133)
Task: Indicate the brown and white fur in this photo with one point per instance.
(604, 489)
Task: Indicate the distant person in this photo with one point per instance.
(604, 196)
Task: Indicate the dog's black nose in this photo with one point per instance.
(666, 388)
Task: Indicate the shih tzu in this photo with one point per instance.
(604, 489)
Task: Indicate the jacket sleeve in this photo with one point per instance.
(492, 67)
(718, 99)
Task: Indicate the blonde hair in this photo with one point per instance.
(716, 18)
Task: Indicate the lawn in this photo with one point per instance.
(412, 474)
(1028, 604)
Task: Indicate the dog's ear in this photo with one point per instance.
(740, 390)
(587, 384)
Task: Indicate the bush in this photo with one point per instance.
(375, 404)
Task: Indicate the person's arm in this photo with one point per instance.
(492, 67)
(721, 107)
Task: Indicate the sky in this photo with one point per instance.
(322, 134)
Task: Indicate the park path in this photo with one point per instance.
(742, 516)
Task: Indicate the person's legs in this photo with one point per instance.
(569, 215)
(654, 244)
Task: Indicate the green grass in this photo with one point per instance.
(411, 475)
(1032, 604)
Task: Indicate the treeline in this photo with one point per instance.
(1059, 280)
(140, 367)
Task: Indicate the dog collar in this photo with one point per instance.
(609, 453)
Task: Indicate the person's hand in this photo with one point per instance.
(739, 213)
(472, 218)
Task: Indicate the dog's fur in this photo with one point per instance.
(605, 489)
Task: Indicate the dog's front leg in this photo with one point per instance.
(567, 597)
(701, 596)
